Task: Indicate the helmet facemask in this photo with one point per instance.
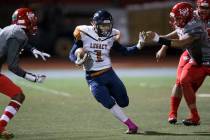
(181, 14)
(177, 21)
(103, 29)
(102, 23)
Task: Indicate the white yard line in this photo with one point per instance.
(123, 72)
(44, 89)
(203, 95)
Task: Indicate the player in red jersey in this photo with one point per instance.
(14, 39)
(202, 12)
(194, 72)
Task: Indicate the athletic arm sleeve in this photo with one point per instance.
(77, 44)
(14, 47)
(125, 50)
(195, 29)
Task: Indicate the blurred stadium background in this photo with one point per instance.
(58, 18)
(62, 108)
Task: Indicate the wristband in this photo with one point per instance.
(164, 41)
(30, 77)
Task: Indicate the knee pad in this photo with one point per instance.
(19, 97)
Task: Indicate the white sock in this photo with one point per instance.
(118, 113)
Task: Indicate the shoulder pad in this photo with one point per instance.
(194, 26)
(79, 29)
(19, 33)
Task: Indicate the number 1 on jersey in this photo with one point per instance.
(98, 55)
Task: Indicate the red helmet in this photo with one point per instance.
(26, 18)
(203, 7)
(181, 14)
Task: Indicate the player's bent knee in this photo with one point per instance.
(108, 105)
(178, 82)
(19, 97)
(185, 81)
(124, 105)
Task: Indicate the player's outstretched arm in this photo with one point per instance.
(13, 59)
(129, 50)
(123, 49)
(175, 43)
(161, 54)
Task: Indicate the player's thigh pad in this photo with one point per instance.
(118, 91)
(101, 94)
(184, 59)
(192, 74)
(8, 88)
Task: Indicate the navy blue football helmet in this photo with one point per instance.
(102, 22)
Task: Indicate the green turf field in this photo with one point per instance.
(64, 109)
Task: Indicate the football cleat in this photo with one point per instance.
(6, 135)
(191, 122)
(172, 118)
(132, 131)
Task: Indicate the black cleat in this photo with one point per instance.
(190, 122)
(172, 120)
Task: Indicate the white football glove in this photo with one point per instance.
(35, 78)
(82, 60)
(142, 36)
(156, 37)
(37, 53)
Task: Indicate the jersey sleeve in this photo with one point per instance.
(14, 48)
(124, 50)
(76, 33)
(195, 29)
(19, 34)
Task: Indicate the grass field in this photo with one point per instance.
(64, 109)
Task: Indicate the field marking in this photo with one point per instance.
(121, 72)
(203, 95)
(45, 90)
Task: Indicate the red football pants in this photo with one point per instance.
(184, 59)
(191, 79)
(8, 88)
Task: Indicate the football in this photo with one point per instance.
(80, 52)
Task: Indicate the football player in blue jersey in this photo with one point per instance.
(97, 40)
